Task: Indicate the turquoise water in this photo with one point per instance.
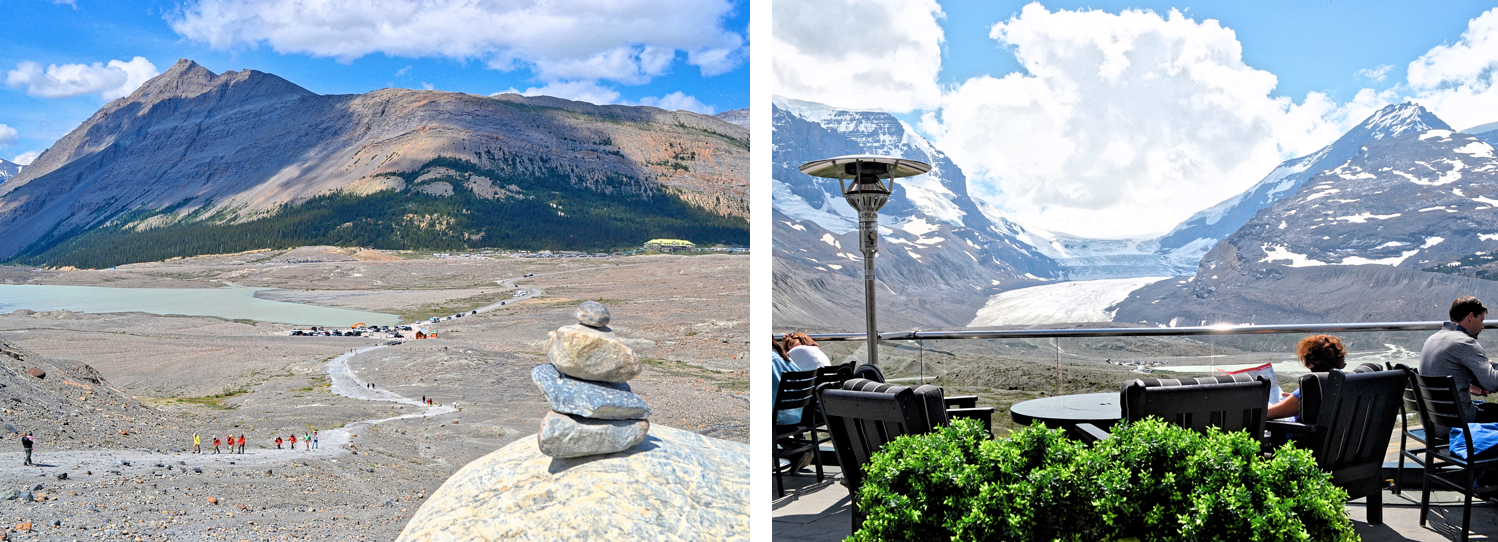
(230, 303)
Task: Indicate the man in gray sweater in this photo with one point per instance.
(1454, 351)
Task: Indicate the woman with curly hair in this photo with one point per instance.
(1320, 354)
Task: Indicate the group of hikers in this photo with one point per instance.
(309, 441)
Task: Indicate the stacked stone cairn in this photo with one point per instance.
(593, 410)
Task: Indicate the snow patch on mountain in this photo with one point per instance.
(835, 215)
(1477, 149)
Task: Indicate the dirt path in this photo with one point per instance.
(332, 443)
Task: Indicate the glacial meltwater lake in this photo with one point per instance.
(230, 303)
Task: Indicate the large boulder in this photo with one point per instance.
(675, 485)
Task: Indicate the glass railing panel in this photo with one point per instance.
(1005, 371)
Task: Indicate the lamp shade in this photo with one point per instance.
(838, 168)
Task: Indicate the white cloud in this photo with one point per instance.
(1125, 124)
(403, 71)
(26, 158)
(890, 50)
(1377, 75)
(114, 80)
(583, 91)
(592, 92)
(8, 136)
(427, 86)
(677, 101)
(73, 3)
(628, 41)
(1457, 81)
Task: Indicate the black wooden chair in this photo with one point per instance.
(1437, 401)
(812, 418)
(1346, 421)
(797, 391)
(863, 415)
(1408, 407)
(1228, 402)
(869, 372)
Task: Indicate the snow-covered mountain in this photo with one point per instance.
(1194, 237)
(1394, 231)
(938, 245)
(8, 169)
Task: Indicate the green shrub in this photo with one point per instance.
(1150, 481)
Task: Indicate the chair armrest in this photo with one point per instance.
(961, 401)
(984, 414)
(1276, 426)
(1090, 433)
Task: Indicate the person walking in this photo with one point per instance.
(197, 443)
(241, 444)
(293, 441)
(314, 439)
(278, 442)
(215, 444)
(307, 442)
(26, 442)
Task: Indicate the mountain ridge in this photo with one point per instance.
(1394, 232)
(234, 147)
(940, 251)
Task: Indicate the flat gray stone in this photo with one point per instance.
(675, 486)
(593, 314)
(565, 435)
(601, 400)
(591, 354)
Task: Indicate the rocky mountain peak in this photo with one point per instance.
(1399, 119)
(187, 79)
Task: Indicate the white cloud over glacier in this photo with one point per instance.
(1126, 123)
(858, 54)
(1119, 124)
(1456, 81)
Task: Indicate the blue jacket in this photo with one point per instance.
(790, 416)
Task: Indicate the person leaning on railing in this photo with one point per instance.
(1320, 354)
(1454, 351)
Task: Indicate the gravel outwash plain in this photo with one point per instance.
(124, 393)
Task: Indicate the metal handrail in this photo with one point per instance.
(1142, 331)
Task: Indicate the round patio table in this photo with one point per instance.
(1066, 411)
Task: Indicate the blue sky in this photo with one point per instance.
(1120, 119)
(1317, 45)
(61, 61)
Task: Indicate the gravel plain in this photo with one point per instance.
(124, 393)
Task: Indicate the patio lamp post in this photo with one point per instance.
(866, 182)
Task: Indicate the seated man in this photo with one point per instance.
(1454, 351)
